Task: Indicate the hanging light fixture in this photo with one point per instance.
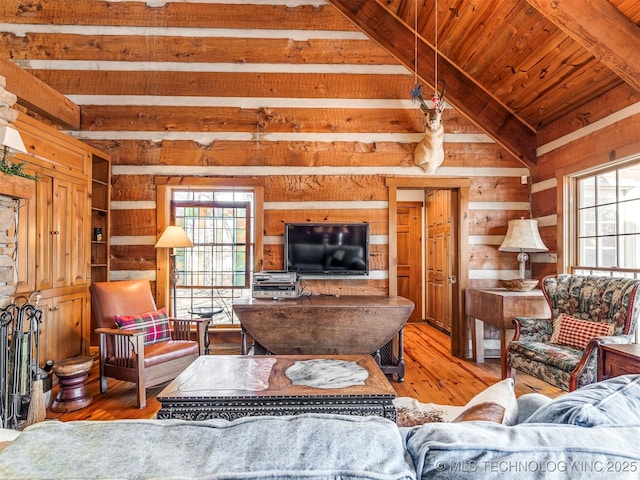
(429, 152)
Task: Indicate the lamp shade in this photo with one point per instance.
(10, 138)
(174, 237)
(523, 236)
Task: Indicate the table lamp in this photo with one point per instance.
(174, 237)
(10, 140)
(522, 237)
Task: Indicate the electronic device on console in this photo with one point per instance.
(275, 285)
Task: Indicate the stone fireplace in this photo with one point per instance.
(16, 199)
(15, 193)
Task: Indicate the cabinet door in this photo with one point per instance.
(45, 232)
(79, 245)
(62, 237)
(70, 233)
(61, 331)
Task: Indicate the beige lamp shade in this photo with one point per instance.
(174, 237)
(523, 236)
(10, 138)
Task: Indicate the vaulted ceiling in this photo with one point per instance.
(524, 71)
(514, 67)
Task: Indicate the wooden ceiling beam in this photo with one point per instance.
(600, 28)
(39, 97)
(475, 103)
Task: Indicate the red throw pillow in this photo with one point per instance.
(155, 325)
(577, 333)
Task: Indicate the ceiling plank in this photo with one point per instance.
(462, 93)
(39, 97)
(600, 28)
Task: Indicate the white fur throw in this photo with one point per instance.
(411, 412)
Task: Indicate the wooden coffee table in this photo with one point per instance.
(233, 386)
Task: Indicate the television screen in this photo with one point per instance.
(327, 248)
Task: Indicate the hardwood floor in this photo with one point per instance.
(432, 375)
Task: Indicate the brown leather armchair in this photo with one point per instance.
(123, 355)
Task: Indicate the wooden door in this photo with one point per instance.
(441, 256)
(409, 241)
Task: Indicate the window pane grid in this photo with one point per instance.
(217, 269)
(607, 236)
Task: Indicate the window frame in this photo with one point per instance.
(165, 186)
(568, 230)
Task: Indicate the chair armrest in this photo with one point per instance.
(124, 341)
(196, 320)
(614, 339)
(592, 346)
(119, 331)
(591, 352)
(182, 331)
(533, 329)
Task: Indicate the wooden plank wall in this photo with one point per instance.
(612, 138)
(291, 92)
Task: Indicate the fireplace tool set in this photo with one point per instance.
(19, 360)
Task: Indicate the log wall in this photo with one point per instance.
(289, 92)
(613, 138)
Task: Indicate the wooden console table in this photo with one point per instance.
(498, 307)
(328, 325)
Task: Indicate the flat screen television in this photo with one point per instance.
(327, 248)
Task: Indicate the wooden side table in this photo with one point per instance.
(615, 360)
(72, 375)
(498, 307)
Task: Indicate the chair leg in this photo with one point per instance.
(507, 370)
(103, 359)
(141, 383)
(141, 393)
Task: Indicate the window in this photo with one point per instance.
(218, 268)
(607, 233)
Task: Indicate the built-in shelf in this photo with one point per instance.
(100, 223)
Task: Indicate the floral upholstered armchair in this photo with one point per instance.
(585, 311)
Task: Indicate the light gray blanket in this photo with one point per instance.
(309, 447)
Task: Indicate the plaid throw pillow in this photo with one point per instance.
(155, 325)
(576, 333)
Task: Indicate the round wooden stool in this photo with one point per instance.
(72, 375)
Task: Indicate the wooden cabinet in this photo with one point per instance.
(64, 221)
(615, 360)
(62, 224)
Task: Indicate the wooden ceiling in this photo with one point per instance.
(524, 71)
(513, 67)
